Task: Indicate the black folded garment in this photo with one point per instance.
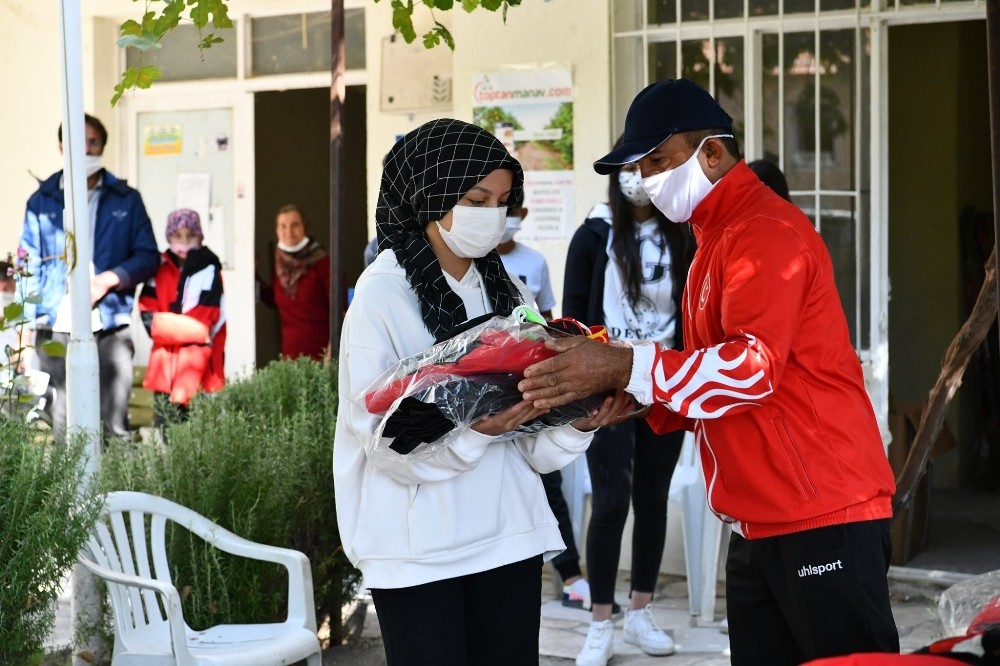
(414, 423)
(430, 414)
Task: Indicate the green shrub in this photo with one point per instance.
(257, 459)
(45, 519)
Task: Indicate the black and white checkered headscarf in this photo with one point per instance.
(423, 177)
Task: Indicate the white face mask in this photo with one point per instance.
(513, 225)
(294, 248)
(474, 230)
(92, 164)
(677, 192)
(630, 183)
(6, 298)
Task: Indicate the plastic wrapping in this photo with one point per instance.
(970, 606)
(427, 399)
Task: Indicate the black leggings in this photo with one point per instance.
(484, 619)
(628, 461)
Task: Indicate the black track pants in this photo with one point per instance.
(817, 593)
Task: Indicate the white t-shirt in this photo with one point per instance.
(529, 266)
(654, 317)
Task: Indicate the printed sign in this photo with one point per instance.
(531, 112)
(162, 140)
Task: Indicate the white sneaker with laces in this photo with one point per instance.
(599, 646)
(641, 630)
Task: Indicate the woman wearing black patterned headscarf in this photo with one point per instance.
(451, 544)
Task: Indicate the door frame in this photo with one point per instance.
(240, 291)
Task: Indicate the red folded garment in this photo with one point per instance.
(497, 352)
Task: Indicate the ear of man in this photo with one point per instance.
(695, 137)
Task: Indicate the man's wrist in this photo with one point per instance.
(640, 380)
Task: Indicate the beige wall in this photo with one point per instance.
(536, 35)
(30, 72)
(31, 112)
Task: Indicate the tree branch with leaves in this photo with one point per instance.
(146, 33)
(162, 16)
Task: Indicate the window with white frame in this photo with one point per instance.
(767, 62)
(291, 43)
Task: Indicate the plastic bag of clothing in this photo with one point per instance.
(961, 604)
(426, 399)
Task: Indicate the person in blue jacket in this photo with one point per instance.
(124, 255)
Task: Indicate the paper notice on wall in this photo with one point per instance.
(194, 191)
(531, 112)
(162, 140)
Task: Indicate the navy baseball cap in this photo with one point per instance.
(661, 110)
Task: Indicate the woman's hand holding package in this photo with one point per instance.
(615, 409)
(503, 422)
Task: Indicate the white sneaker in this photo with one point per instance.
(599, 646)
(641, 630)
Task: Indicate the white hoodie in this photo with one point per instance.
(473, 506)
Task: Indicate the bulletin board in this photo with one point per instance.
(185, 160)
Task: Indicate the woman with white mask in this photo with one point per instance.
(300, 286)
(451, 544)
(626, 269)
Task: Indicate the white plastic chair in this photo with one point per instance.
(149, 626)
(702, 530)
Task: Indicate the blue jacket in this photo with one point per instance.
(123, 243)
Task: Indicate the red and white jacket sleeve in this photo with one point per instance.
(764, 290)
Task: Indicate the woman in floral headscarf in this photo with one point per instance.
(300, 287)
(451, 544)
(182, 309)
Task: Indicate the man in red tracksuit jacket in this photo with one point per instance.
(770, 385)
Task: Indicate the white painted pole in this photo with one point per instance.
(82, 385)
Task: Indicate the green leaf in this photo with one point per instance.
(469, 5)
(141, 42)
(431, 39)
(131, 27)
(147, 75)
(492, 5)
(148, 21)
(170, 17)
(402, 19)
(12, 311)
(210, 39)
(54, 348)
(445, 35)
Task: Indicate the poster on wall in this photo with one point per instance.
(162, 140)
(531, 112)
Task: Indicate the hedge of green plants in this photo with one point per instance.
(257, 459)
(46, 514)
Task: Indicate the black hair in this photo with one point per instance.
(625, 244)
(94, 123)
(771, 175)
(694, 138)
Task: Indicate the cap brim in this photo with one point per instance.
(626, 154)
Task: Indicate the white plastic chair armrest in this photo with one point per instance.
(301, 608)
(172, 599)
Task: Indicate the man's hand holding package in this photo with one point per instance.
(584, 367)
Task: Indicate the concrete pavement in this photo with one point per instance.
(563, 629)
